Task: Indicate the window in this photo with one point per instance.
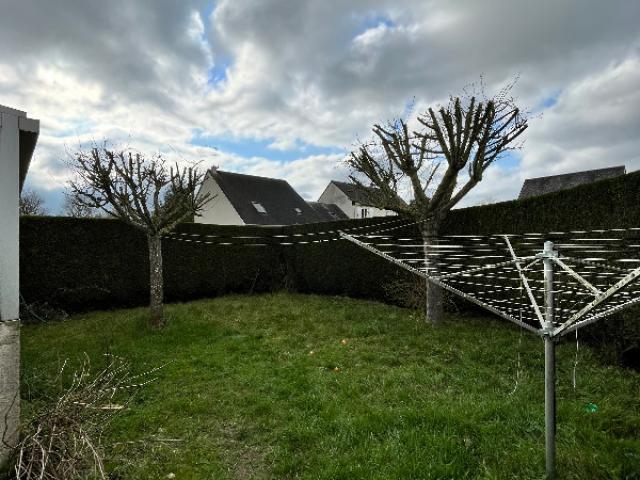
(298, 211)
(364, 213)
(259, 207)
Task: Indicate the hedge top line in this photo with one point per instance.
(611, 203)
(606, 204)
(79, 264)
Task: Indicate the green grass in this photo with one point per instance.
(245, 398)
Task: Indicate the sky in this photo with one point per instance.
(285, 88)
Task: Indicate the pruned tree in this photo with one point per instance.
(440, 161)
(75, 208)
(143, 192)
(31, 203)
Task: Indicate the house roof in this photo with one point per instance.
(357, 193)
(328, 211)
(263, 200)
(362, 195)
(534, 187)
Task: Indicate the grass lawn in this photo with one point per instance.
(242, 396)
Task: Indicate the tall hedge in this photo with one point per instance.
(612, 203)
(97, 263)
(81, 264)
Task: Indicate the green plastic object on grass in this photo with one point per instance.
(591, 407)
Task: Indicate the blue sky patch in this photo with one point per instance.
(218, 73)
(221, 61)
(510, 159)
(251, 147)
(205, 14)
(375, 20)
(548, 102)
(53, 199)
(77, 128)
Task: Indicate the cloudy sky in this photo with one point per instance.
(284, 87)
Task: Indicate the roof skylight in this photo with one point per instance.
(259, 207)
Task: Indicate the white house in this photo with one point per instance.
(18, 137)
(238, 199)
(355, 201)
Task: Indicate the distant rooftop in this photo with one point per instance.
(263, 200)
(534, 187)
(329, 211)
(359, 194)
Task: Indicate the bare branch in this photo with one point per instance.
(139, 191)
(31, 203)
(469, 134)
(142, 192)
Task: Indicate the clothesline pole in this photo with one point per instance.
(549, 364)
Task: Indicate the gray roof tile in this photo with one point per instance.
(281, 203)
(534, 187)
(358, 194)
(329, 212)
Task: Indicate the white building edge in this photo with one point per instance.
(353, 200)
(18, 138)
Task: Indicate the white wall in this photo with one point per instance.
(332, 194)
(9, 293)
(219, 210)
(372, 211)
(9, 198)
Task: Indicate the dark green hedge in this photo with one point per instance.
(613, 203)
(80, 264)
(97, 263)
(342, 268)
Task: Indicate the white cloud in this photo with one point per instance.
(593, 124)
(304, 72)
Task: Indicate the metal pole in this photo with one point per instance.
(550, 404)
(549, 365)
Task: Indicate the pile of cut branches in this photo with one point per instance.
(63, 440)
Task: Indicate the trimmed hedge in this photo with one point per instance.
(80, 264)
(85, 264)
(612, 203)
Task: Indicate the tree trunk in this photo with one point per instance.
(155, 281)
(434, 293)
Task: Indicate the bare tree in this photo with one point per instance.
(439, 161)
(31, 203)
(73, 207)
(130, 187)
